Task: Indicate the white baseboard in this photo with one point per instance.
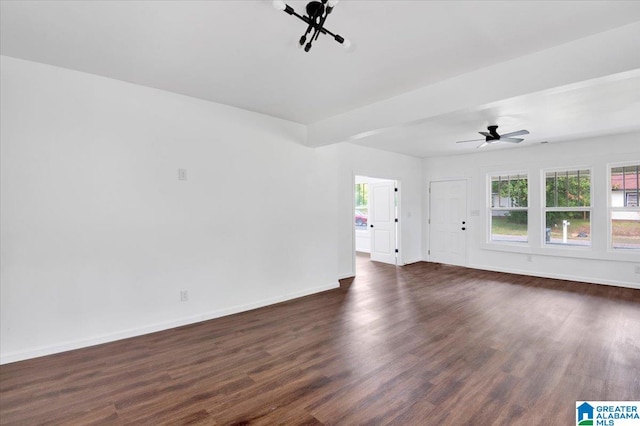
(410, 261)
(346, 275)
(152, 328)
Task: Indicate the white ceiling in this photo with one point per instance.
(597, 107)
(244, 54)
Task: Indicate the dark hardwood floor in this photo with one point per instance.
(422, 344)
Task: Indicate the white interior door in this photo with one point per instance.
(447, 222)
(382, 221)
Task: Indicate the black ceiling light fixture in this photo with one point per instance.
(317, 12)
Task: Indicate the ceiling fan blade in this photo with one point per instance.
(487, 134)
(472, 140)
(513, 140)
(482, 145)
(518, 133)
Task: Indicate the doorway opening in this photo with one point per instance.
(376, 213)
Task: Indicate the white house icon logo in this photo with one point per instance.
(584, 416)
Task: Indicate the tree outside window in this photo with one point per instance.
(509, 211)
(362, 205)
(568, 207)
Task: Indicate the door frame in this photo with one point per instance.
(398, 183)
(467, 210)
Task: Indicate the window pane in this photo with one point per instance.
(509, 225)
(624, 186)
(625, 230)
(568, 188)
(509, 191)
(568, 228)
(362, 205)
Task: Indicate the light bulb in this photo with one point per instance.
(346, 43)
(279, 5)
(332, 3)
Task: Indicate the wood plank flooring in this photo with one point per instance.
(422, 344)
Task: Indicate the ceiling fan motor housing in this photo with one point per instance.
(494, 136)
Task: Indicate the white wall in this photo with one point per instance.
(345, 161)
(98, 235)
(598, 264)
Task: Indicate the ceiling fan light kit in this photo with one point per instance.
(317, 12)
(492, 137)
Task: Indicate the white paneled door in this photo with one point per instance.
(447, 222)
(382, 221)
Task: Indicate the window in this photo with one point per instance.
(624, 212)
(509, 208)
(568, 207)
(362, 205)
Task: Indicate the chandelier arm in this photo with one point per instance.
(313, 37)
(322, 30)
(309, 27)
(336, 37)
(311, 24)
(304, 36)
(318, 30)
(322, 19)
(326, 31)
(309, 21)
(291, 11)
(317, 33)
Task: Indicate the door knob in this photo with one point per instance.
(463, 222)
(372, 226)
(463, 228)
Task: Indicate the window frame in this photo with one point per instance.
(611, 208)
(490, 209)
(545, 209)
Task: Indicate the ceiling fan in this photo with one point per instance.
(492, 137)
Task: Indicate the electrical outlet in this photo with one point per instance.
(529, 258)
(182, 174)
(184, 295)
(638, 269)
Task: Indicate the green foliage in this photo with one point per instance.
(501, 225)
(568, 189)
(513, 188)
(563, 189)
(362, 194)
(517, 216)
(556, 218)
